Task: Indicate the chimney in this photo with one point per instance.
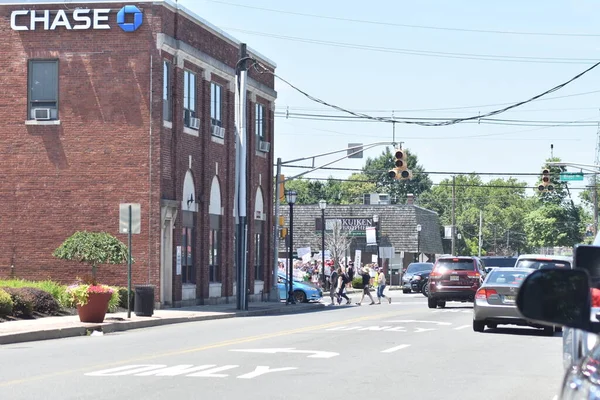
(410, 199)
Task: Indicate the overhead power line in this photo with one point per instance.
(412, 26)
(424, 53)
(441, 123)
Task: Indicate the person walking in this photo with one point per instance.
(366, 280)
(381, 282)
(333, 281)
(342, 282)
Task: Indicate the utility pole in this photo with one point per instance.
(453, 214)
(241, 196)
(480, 232)
(495, 243)
(508, 242)
(274, 293)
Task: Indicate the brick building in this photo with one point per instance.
(110, 102)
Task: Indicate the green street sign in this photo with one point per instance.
(571, 176)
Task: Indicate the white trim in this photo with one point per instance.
(215, 289)
(167, 124)
(217, 140)
(191, 131)
(39, 122)
(261, 154)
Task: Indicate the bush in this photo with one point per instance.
(42, 301)
(6, 304)
(58, 291)
(123, 297)
(22, 307)
(357, 282)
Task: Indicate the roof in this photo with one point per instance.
(546, 256)
(170, 3)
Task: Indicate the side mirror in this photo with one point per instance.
(488, 269)
(557, 297)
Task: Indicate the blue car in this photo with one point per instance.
(303, 292)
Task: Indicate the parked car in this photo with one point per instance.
(411, 270)
(454, 279)
(495, 301)
(490, 262)
(303, 292)
(540, 261)
(419, 280)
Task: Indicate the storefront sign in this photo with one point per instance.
(79, 19)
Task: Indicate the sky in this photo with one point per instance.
(428, 59)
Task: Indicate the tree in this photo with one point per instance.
(93, 248)
(337, 242)
(308, 191)
(376, 169)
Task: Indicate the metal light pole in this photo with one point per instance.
(376, 220)
(290, 196)
(419, 242)
(459, 237)
(323, 206)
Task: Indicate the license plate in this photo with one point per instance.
(453, 277)
(509, 299)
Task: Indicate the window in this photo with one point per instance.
(215, 104)
(167, 104)
(188, 272)
(214, 240)
(189, 97)
(43, 89)
(260, 122)
(258, 257)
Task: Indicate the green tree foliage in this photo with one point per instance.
(93, 248)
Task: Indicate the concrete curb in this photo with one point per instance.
(120, 326)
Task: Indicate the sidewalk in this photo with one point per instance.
(70, 326)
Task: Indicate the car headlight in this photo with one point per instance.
(417, 278)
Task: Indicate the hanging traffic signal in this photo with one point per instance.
(400, 170)
(546, 185)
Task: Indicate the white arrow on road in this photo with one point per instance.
(313, 353)
(419, 322)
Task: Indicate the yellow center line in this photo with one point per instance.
(207, 347)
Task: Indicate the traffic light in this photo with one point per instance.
(546, 185)
(400, 170)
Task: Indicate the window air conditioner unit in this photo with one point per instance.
(41, 114)
(218, 131)
(264, 146)
(195, 123)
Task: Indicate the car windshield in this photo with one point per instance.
(413, 268)
(542, 264)
(506, 277)
(456, 265)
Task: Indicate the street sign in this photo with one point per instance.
(423, 258)
(124, 218)
(571, 176)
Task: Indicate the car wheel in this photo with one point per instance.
(548, 330)
(431, 303)
(299, 296)
(441, 304)
(425, 290)
(405, 291)
(478, 326)
(492, 326)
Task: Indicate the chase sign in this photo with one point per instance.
(129, 18)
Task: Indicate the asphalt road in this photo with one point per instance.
(403, 350)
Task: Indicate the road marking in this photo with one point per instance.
(203, 348)
(377, 328)
(402, 321)
(200, 371)
(445, 310)
(462, 327)
(313, 353)
(393, 349)
(419, 330)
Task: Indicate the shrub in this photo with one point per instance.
(357, 282)
(6, 304)
(123, 297)
(22, 307)
(58, 291)
(42, 301)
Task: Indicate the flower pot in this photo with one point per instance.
(95, 309)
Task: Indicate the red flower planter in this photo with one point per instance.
(95, 309)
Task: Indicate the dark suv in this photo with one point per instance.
(454, 279)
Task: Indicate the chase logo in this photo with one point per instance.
(137, 18)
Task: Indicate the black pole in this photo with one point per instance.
(291, 266)
(129, 265)
(418, 245)
(323, 247)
